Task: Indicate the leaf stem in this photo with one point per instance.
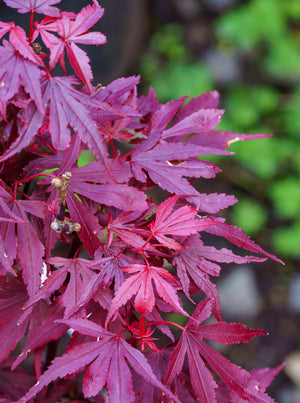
(147, 241)
(77, 251)
(113, 148)
(31, 27)
(126, 155)
(32, 177)
(165, 322)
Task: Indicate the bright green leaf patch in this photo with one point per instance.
(249, 215)
(285, 195)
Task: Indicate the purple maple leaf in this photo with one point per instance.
(107, 358)
(66, 108)
(157, 160)
(197, 261)
(13, 296)
(198, 353)
(13, 385)
(46, 331)
(29, 250)
(16, 70)
(114, 194)
(179, 222)
(80, 276)
(262, 375)
(36, 6)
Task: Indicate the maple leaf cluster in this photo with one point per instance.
(126, 260)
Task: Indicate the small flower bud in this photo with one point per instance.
(56, 183)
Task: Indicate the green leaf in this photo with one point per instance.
(285, 195)
(169, 41)
(262, 156)
(177, 80)
(286, 240)
(247, 104)
(249, 215)
(253, 22)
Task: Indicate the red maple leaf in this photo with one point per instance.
(13, 385)
(183, 221)
(73, 29)
(28, 250)
(159, 360)
(108, 359)
(262, 375)
(196, 261)
(125, 227)
(13, 296)
(17, 70)
(36, 6)
(237, 237)
(156, 159)
(18, 39)
(49, 329)
(67, 108)
(107, 192)
(80, 276)
(140, 283)
(203, 359)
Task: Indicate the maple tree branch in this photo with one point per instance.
(165, 322)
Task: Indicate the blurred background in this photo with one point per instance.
(248, 50)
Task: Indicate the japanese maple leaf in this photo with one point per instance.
(13, 385)
(262, 375)
(182, 221)
(110, 266)
(28, 249)
(140, 283)
(108, 358)
(200, 355)
(6, 261)
(80, 276)
(90, 229)
(66, 108)
(196, 261)
(159, 361)
(46, 331)
(5, 209)
(119, 195)
(222, 140)
(112, 172)
(17, 70)
(214, 202)
(118, 91)
(205, 105)
(13, 296)
(164, 113)
(72, 31)
(122, 95)
(207, 100)
(18, 39)
(124, 226)
(36, 6)
(202, 120)
(156, 158)
(237, 237)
